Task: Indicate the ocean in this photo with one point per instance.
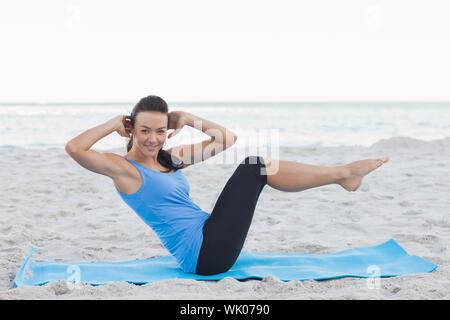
(43, 126)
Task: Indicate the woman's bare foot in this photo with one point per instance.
(357, 170)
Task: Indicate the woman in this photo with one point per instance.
(149, 179)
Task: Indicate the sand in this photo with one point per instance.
(71, 214)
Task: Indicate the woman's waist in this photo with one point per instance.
(174, 211)
(177, 219)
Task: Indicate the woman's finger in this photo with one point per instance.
(173, 133)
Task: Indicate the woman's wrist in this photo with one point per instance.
(114, 124)
(88, 138)
(189, 119)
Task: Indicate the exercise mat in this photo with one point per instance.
(385, 260)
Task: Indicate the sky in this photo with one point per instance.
(233, 50)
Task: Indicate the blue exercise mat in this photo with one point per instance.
(385, 260)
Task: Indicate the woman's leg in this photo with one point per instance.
(291, 176)
(225, 231)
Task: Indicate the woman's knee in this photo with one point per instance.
(253, 160)
(268, 165)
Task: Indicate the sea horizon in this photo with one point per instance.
(287, 124)
(232, 102)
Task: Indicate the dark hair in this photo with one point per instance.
(155, 103)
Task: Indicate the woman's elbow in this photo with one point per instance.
(230, 141)
(69, 147)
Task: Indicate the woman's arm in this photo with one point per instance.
(104, 163)
(220, 134)
(220, 138)
(87, 139)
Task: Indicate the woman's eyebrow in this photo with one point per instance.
(150, 128)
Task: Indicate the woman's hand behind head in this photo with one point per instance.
(123, 126)
(176, 122)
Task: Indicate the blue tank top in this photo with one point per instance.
(163, 203)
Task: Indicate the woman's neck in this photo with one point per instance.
(140, 157)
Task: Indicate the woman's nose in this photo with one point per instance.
(152, 139)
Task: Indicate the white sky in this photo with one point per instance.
(227, 50)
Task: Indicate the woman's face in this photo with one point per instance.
(150, 131)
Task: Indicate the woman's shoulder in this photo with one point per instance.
(129, 179)
(117, 158)
(125, 167)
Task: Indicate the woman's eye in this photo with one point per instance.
(160, 132)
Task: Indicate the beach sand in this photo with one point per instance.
(70, 214)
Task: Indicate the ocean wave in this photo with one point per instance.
(403, 142)
(393, 143)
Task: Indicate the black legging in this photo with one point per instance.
(225, 230)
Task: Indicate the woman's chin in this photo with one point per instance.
(150, 150)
